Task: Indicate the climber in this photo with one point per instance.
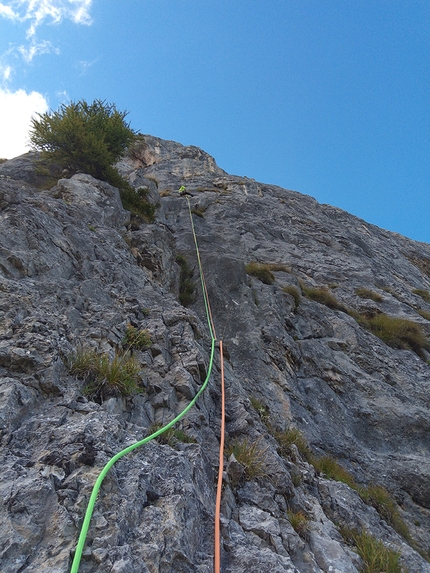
(183, 192)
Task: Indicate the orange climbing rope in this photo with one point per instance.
(217, 536)
(217, 549)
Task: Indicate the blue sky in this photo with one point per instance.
(326, 97)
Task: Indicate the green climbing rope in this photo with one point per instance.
(129, 449)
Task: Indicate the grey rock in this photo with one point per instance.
(74, 272)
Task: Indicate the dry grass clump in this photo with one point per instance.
(323, 296)
(364, 292)
(261, 272)
(399, 333)
(199, 211)
(424, 294)
(294, 292)
(300, 522)
(278, 267)
(421, 262)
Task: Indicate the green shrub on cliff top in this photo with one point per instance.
(83, 137)
(89, 138)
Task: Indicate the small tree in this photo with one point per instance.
(83, 137)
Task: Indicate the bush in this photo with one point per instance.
(83, 137)
(135, 200)
(103, 376)
(261, 272)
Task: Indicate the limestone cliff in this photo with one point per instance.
(303, 328)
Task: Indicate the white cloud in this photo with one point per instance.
(56, 10)
(7, 12)
(81, 11)
(16, 111)
(84, 65)
(35, 49)
(5, 72)
(37, 11)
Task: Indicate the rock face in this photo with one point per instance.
(74, 272)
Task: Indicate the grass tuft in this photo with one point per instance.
(135, 339)
(399, 333)
(333, 470)
(373, 495)
(424, 313)
(171, 436)
(251, 455)
(261, 272)
(376, 557)
(104, 376)
(382, 501)
(186, 285)
(424, 294)
(323, 296)
(261, 409)
(289, 437)
(300, 522)
(364, 292)
(294, 292)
